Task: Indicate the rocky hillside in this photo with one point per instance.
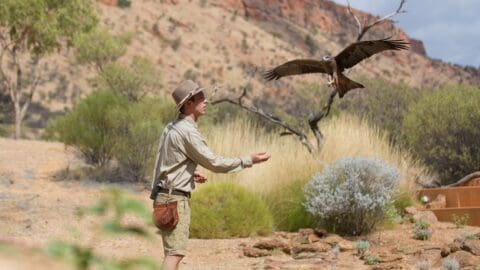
(221, 42)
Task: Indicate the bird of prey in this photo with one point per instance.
(334, 66)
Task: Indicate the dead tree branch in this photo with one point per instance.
(314, 119)
(301, 136)
(465, 179)
(363, 28)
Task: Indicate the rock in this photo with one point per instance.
(312, 238)
(445, 251)
(274, 243)
(310, 264)
(389, 257)
(332, 239)
(472, 246)
(465, 259)
(411, 210)
(320, 232)
(255, 252)
(346, 245)
(439, 202)
(427, 216)
(317, 247)
(308, 255)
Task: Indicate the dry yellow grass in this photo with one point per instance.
(345, 136)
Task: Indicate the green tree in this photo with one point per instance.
(30, 29)
(442, 129)
(133, 81)
(99, 47)
(88, 126)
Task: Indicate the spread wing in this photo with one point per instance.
(298, 66)
(358, 51)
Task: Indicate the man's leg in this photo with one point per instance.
(171, 262)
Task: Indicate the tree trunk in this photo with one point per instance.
(18, 126)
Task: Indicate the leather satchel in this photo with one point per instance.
(165, 215)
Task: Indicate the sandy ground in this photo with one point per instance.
(36, 209)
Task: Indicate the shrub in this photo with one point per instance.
(137, 129)
(88, 128)
(362, 247)
(383, 104)
(442, 129)
(286, 205)
(451, 264)
(460, 220)
(421, 230)
(133, 81)
(349, 197)
(423, 265)
(225, 210)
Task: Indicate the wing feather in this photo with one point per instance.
(361, 50)
(298, 66)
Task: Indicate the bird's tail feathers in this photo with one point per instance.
(344, 84)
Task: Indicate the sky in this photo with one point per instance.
(449, 29)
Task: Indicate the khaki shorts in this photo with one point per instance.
(175, 241)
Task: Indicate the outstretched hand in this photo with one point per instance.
(198, 177)
(260, 157)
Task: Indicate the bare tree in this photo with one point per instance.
(323, 112)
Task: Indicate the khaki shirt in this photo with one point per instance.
(181, 149)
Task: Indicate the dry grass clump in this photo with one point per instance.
(345, 136)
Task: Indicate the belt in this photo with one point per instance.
(175, 192)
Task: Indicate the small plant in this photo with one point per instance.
(350, 196)
(362, 247)
(467, 236)
(451, 264)
(423, 265)
(371, 259)
(124, 3)
(421, 230)
(460, 220)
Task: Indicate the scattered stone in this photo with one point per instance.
(333, 239)
(274, 243)
(312, 238)
(317, 247)
(472, 246)
(427, 216)
(320, 232)
(308, 255)
(310, 264)
(439, 202)
(389, 257)
(346, 245)
(255, 252)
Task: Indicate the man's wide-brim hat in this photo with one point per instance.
(185, 91)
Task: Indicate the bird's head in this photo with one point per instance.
(327, 58)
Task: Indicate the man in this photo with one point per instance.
(181, 149)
